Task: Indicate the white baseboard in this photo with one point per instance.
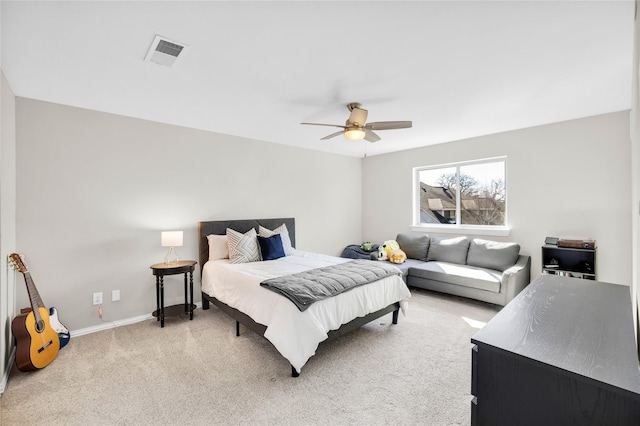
(5, 376)
(113, 324)
(106, 325)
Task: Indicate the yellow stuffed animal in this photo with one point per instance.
(390, 245)
(397, 256)
(394, 254)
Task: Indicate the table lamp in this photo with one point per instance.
(171, 239)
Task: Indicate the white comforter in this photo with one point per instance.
(295, 334)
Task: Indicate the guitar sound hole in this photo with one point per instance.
(40, 326)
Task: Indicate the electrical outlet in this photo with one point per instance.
(115, 295)
(97, 298)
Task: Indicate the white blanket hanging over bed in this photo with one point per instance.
(295, 334)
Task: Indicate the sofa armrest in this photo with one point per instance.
(516, 278)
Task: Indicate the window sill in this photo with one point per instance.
(494, 231)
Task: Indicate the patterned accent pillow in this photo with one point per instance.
(284, 235)
(243, 248)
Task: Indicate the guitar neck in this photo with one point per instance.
(34, 296)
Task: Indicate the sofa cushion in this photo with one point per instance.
(415, 246)
(406, 265)
(468, 276)
(453, 250)
(492, 254)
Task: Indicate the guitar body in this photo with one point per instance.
(36, 345)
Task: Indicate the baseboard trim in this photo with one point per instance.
(5, 376)
(108, 325)
(113, 324)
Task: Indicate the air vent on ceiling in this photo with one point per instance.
(164, 51)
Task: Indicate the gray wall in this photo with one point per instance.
(563, 179)
(95, 191)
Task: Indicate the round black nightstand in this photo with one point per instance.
(185, 267)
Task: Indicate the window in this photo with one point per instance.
(462, 195)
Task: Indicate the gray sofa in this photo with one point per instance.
(479, 269)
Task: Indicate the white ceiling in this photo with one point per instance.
(257, 69)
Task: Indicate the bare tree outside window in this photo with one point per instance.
(467, 183)
(467, 194)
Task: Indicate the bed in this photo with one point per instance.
(235, 289)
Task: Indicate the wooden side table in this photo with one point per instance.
(185, 267)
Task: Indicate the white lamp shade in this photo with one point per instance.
(171, 238)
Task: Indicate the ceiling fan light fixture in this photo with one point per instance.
(354, 134)
(356, 127)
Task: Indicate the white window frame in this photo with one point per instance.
(487, 230)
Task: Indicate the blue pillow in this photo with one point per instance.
(271, 247)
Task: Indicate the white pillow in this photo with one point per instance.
(218, 247)
(243, 248)
(284, 235)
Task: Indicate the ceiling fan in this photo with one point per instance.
(356, 127)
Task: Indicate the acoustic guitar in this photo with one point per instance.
(37, 343)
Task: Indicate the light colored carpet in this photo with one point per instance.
(199, 372)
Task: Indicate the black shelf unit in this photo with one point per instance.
(572, 262)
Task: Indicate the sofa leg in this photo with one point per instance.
(395, 316)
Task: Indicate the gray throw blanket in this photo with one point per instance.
(356, 252)
(307, 287)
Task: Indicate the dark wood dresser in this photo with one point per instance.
(562, 352)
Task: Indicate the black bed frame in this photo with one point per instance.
(219, 228)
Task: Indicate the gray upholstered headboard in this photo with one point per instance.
(219, 227)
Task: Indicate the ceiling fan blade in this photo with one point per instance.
(332, 135)
(370, 136)
(388, 125)
(330, 125)
(358, 115)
